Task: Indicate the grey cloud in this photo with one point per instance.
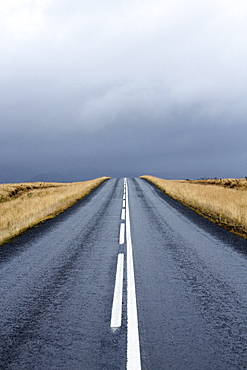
(126, 88)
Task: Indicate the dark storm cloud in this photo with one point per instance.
(123, 88)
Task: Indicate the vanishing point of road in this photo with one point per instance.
(126, 278)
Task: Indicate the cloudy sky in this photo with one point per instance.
(123, 88)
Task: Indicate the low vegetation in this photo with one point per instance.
(25, 205)
(223, 201)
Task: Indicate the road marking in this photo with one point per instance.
(123, 214)
(124, 203)
(124, 196)
(116, 315)
(121, 233)
(133, 345)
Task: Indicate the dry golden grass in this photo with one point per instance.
(223, 201)
(25, 205)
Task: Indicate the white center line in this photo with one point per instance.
(121, 233)
(116, 315)
(133, 345)
(123, 203)
(123, 214)
(124, 196)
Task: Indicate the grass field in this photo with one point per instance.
(223, 201)
(25, 205)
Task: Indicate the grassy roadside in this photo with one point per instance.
(222, 201)
(25, 205)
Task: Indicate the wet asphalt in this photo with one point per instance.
(57, 283)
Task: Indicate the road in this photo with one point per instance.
(127, 277)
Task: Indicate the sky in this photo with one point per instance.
(122, 88)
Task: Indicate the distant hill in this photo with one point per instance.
(49, 177)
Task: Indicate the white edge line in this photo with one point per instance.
(116, 315)
(133, 344)
(121, 234)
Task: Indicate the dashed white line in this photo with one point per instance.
(133, 345)
(123, 214)
(121, 233)
(116, 316)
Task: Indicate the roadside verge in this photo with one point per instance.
(25, 205)
(226, 207)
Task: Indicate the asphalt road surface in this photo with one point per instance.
(127, 277)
